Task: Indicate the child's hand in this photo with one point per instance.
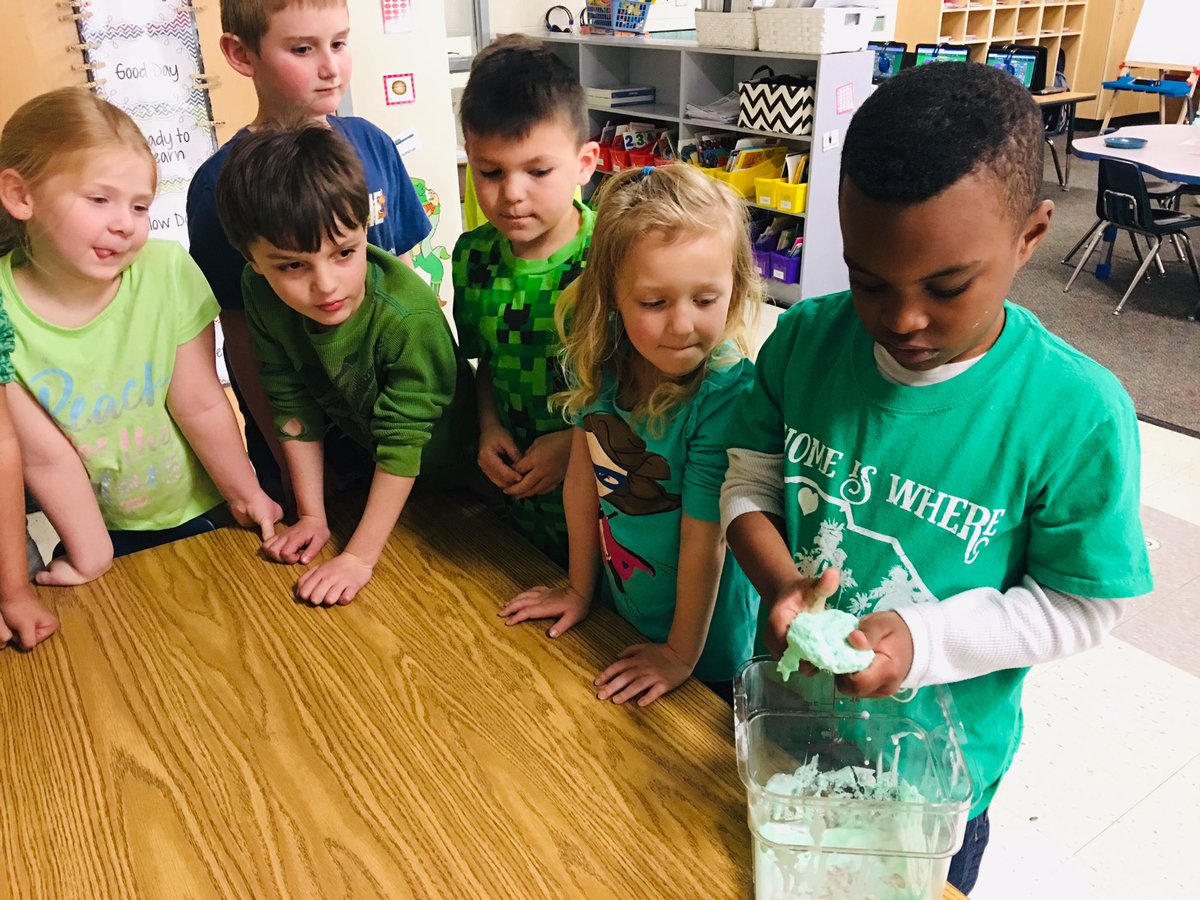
(336, 581)
(543, 467)
(299, 543)
(647, 669)
(565, 604)
(807, 595)
(22, 614)
(259, 512)
(497, 453)
(889, 637)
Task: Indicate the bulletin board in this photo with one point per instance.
(1166, 35)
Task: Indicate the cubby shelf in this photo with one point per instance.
(684, 72)
(1054, 24)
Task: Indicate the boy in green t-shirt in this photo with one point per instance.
(526, 130)
(345, 333)
(922, 453)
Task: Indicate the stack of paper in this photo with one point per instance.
(724, 110)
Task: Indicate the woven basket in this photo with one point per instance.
(833, 30)
(720, 29)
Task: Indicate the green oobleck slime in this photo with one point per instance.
(820, 638)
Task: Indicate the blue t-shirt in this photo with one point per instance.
(397, 220)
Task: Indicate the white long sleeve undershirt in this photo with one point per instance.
(969, 634)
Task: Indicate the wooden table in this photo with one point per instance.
(194, 732)
(1069, 99)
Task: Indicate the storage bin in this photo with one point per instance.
(833, 30)
(742, 180)
(785, 268)
(620, 159)
(735, 30)
(783, 104)
(893, 839)
(790, 198)
(764, 191)
(618, 15)
(764, 248)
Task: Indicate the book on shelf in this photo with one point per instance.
(642, 93)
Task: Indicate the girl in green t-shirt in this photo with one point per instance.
(653, 336)
(114, 340)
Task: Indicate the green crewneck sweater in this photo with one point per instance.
(390, 376)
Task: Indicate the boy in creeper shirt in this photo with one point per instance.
(344, 333)
(526, 130)
(919, 451)
(298, 56)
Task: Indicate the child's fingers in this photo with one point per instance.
(656, 690)
(631, 650)
(566, 622)
(5, 634)
(524, 599)
(542, 610)
(27, 634)
(614, 671)
(824, 588)
(637, 685)
(858, 640)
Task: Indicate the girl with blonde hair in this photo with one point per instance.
(655, 353)
(114, 344)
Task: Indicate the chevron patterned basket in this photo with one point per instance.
(782, 108)
(834, 30)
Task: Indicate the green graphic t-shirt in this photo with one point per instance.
(105, 384)
(1026, 463)
(646, 483)
(7, 372)
(504, 313)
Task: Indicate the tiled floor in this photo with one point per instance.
(1103, 799)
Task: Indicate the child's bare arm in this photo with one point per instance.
(340, 579)
(59, 482)
(20, 610)
(652, 670)
(199, 406)
(239, 356)
(302, 541)
(581, 502)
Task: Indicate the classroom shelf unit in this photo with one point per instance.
(684, 72)
(1054, 24)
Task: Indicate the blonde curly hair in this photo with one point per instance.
(672, 202)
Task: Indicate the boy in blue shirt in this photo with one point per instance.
(922, 453)
(298, 55)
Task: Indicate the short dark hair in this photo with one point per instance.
(517, 83)
(930, 126)
(292, 186)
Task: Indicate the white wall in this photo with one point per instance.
(421, 52)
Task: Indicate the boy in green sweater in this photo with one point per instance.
(344, 333)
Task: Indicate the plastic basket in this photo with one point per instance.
(618, 15)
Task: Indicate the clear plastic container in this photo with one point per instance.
(889, 840)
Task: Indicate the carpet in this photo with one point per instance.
(1151, 347)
